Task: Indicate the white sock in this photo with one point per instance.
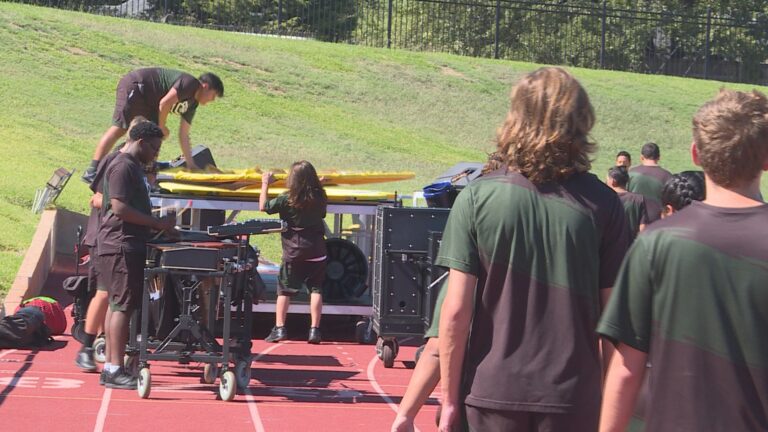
(113, 368)
(107, 365)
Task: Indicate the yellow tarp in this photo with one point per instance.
(252, 192)
(252, 175)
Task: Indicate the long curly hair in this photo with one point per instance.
(546, 133)
(304, 188)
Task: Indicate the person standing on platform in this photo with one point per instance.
(692, 294)
(533, 252)
(303, 208)
(126, 220)
(154, 93)
(648, 178)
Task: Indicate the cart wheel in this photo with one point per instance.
(78, 331)
(131, 364)
(99, 349)
(243, 374)
(145, 383)
(364, 335)
(396, 346)
(379, 348)
(227, 386)
(419, 351)
(388, 355)
(210, 372)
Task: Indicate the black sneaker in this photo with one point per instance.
(103, 376)
(121, 380)
(89, 175)
(84, 360)
(314, 335)
(278, 334)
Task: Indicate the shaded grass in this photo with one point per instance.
(340, 106)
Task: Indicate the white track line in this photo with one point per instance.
(252, 408)
(377, 387)
(101, 418)
(3, 354)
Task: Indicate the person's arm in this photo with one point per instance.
(129, 214)
(266, 179)
(606, 347)
(455, 318)
(164, 108)
(186, 147)
(423, 381)
(625, 375)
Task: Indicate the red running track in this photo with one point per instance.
(335, 387)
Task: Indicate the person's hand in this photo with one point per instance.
(173, 234)
(191, 165)
(166, 132)
(402, 424)
(450, 418)
(167, 223)
(267, 178)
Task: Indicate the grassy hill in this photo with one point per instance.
(340, 106)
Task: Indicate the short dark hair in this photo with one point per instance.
(624, 153)
(619, 174)
(145, 130)
(683, 188)
(650, 151)
(214, 82)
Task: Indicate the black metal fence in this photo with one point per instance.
(594, 36)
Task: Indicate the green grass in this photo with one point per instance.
(340, 106)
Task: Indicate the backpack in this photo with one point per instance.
(24, 329)
(55, 319)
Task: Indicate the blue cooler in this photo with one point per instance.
(440, 195)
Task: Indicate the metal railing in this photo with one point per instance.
(704, 45)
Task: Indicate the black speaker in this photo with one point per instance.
(200, 154)
(402, 268)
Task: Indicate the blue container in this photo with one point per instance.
(440, 195)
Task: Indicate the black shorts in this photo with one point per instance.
(94, 281)
(295, 275)
(482, 419)
(130, 103)
(123, 275)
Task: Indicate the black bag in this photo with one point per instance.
(24, 329)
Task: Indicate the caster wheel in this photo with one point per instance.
(363, 334)
(243, 374)
(388, 354)
(100, 350)
(379, 348)
(145, 383)
(131, 364)
(227, 386)
(419, 351)
(210, 372)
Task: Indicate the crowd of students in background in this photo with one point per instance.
(576, 305)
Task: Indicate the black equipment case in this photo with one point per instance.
(407, 240)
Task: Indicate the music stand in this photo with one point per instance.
(52, 189)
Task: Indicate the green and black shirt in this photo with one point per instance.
(541, 255)
(305, 237)
(648, 181)
(635, 209)
(693, 294)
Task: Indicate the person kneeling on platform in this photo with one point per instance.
(303, 208)
(126, 220)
